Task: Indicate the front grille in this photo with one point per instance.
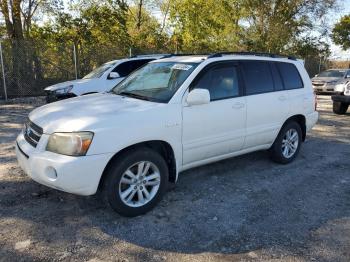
(32, 133)
(318, 84)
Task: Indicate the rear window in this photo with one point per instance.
(290, 76)
(257, 77)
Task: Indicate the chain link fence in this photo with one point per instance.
(30, 66)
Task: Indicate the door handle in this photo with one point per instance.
(282, 98)
(238, 105)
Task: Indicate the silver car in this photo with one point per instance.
(326, 81)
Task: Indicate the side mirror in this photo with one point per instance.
(198, 97)
(113, 75)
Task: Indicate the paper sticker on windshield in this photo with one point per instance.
(181, 67)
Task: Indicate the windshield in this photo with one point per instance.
(98, 72)
(156, 81)
(332, 73)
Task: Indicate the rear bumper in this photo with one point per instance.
(77, 175)
(52, 96)
(311, 120)
(341, 98)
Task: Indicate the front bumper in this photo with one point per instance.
(323, 89)
(341, 98)
(52, 96)
(77, 175)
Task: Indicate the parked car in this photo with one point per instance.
(341, 100)
(101, 79)
(171, 115)
(326, 81)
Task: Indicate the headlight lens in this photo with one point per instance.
(71, 144)
(64, 90)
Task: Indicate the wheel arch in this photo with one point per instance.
(301, 120)
(160, 146)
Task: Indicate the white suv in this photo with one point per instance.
(101, 79)
(171, 115)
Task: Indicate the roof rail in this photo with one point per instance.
(220, 54)
(185, 54)
(148, 55)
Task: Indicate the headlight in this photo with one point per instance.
(71, 144)
(339, 87)
(64, 90)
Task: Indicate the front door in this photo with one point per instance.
(217, 128)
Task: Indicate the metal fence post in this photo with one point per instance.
(75, 62)
(3, 71)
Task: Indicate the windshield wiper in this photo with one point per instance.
(133, 95)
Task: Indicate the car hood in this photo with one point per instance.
(87, 113)
(326, 79)
(68, 83)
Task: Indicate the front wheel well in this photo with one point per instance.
(161, 147)
(301, 120)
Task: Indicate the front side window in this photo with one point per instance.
(221, 81)
(156, 82)
(257, 77)
(99, 71)
(290, 76)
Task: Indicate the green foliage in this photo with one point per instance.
(207, 25)
(341, 32)
(104, 30)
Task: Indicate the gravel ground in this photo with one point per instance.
(232, 210)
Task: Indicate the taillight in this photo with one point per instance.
(315, 101)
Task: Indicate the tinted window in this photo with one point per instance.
(221, 81)
(290, 76)
(332, 73)
(128, 67)
(257, 77)
(277, 80)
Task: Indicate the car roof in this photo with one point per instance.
(140, 57)
(201, 58)
(184, 59)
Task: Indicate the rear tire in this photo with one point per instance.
(287, 144)
(136, 181)
(340, 108)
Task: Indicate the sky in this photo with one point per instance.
(337, 52)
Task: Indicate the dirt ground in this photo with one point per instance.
(242, 209)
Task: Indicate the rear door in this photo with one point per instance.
(267, 102)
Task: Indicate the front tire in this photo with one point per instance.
(287, 144)
(136, 182)
(340, 108)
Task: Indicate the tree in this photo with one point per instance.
(275, 24)
(341, 32)
(206, 25)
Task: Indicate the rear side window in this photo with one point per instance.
(276, 77)
(290, 76)
(221, 81)
(128, 67)
(257, 77)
